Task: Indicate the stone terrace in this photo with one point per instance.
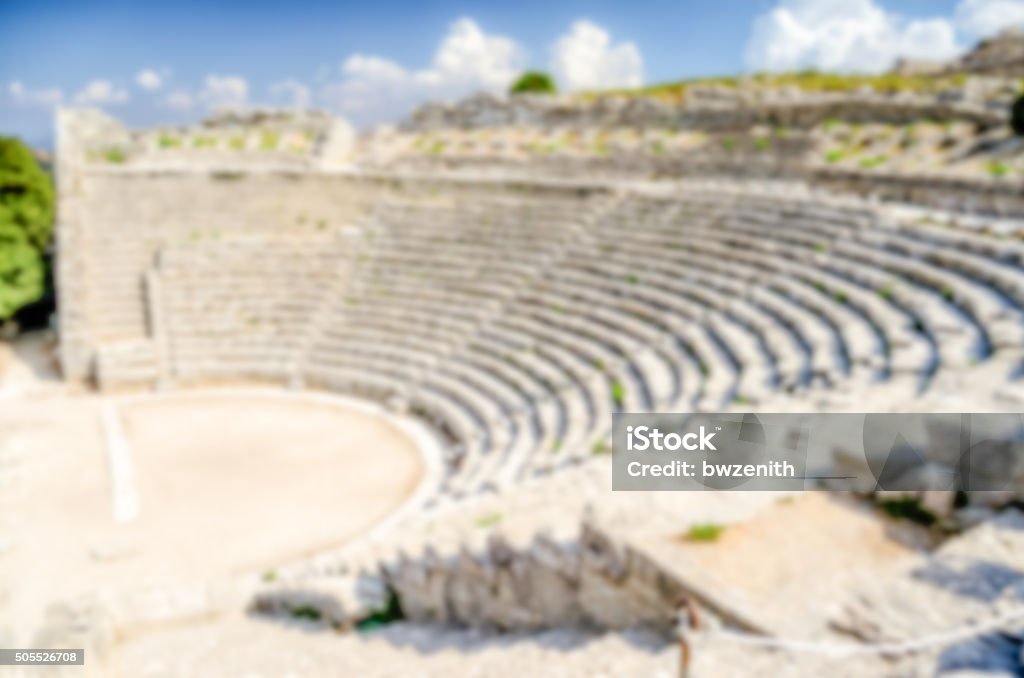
(513, 317)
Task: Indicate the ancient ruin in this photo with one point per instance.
(506, 274)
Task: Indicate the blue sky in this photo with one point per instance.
(152, 63)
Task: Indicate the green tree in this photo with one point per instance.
(1017, 116)
(26, 224)
(534, 82)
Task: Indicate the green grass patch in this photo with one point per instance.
(998, 169)
(488, 520)
(114, 156)
(618, 393)
(873, 161)
(835, 155)
(806, 80)
(269, 140)
(168, 141)
(705, 532)
(600, 447)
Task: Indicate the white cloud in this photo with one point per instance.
(469, 55)
(585, 58)
(291, 93)
(224, 91)
(982, 18)
(100, 92)
(373, 88)
(149, 79)
(39, 97)
(179, 100)
(844, 35)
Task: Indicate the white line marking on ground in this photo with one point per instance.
(124, 496)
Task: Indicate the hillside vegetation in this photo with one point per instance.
(26, 223)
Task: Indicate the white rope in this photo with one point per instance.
(966, 632)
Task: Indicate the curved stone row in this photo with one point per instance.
(517, 323)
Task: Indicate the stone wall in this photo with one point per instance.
(595, 580)
(1001, 55)
(114, 217)
(721, 109)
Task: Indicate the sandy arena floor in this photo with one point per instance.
(225, 484)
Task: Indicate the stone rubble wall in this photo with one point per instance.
(1001, 55)
(594, 580)
(716, 110)
(296, 139)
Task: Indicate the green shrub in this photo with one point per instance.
(908, 509)
(307, 612)
(534, 82)
(26, 223)
(1017, 116)
(392, 612)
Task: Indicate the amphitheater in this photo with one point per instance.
(306, 377)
